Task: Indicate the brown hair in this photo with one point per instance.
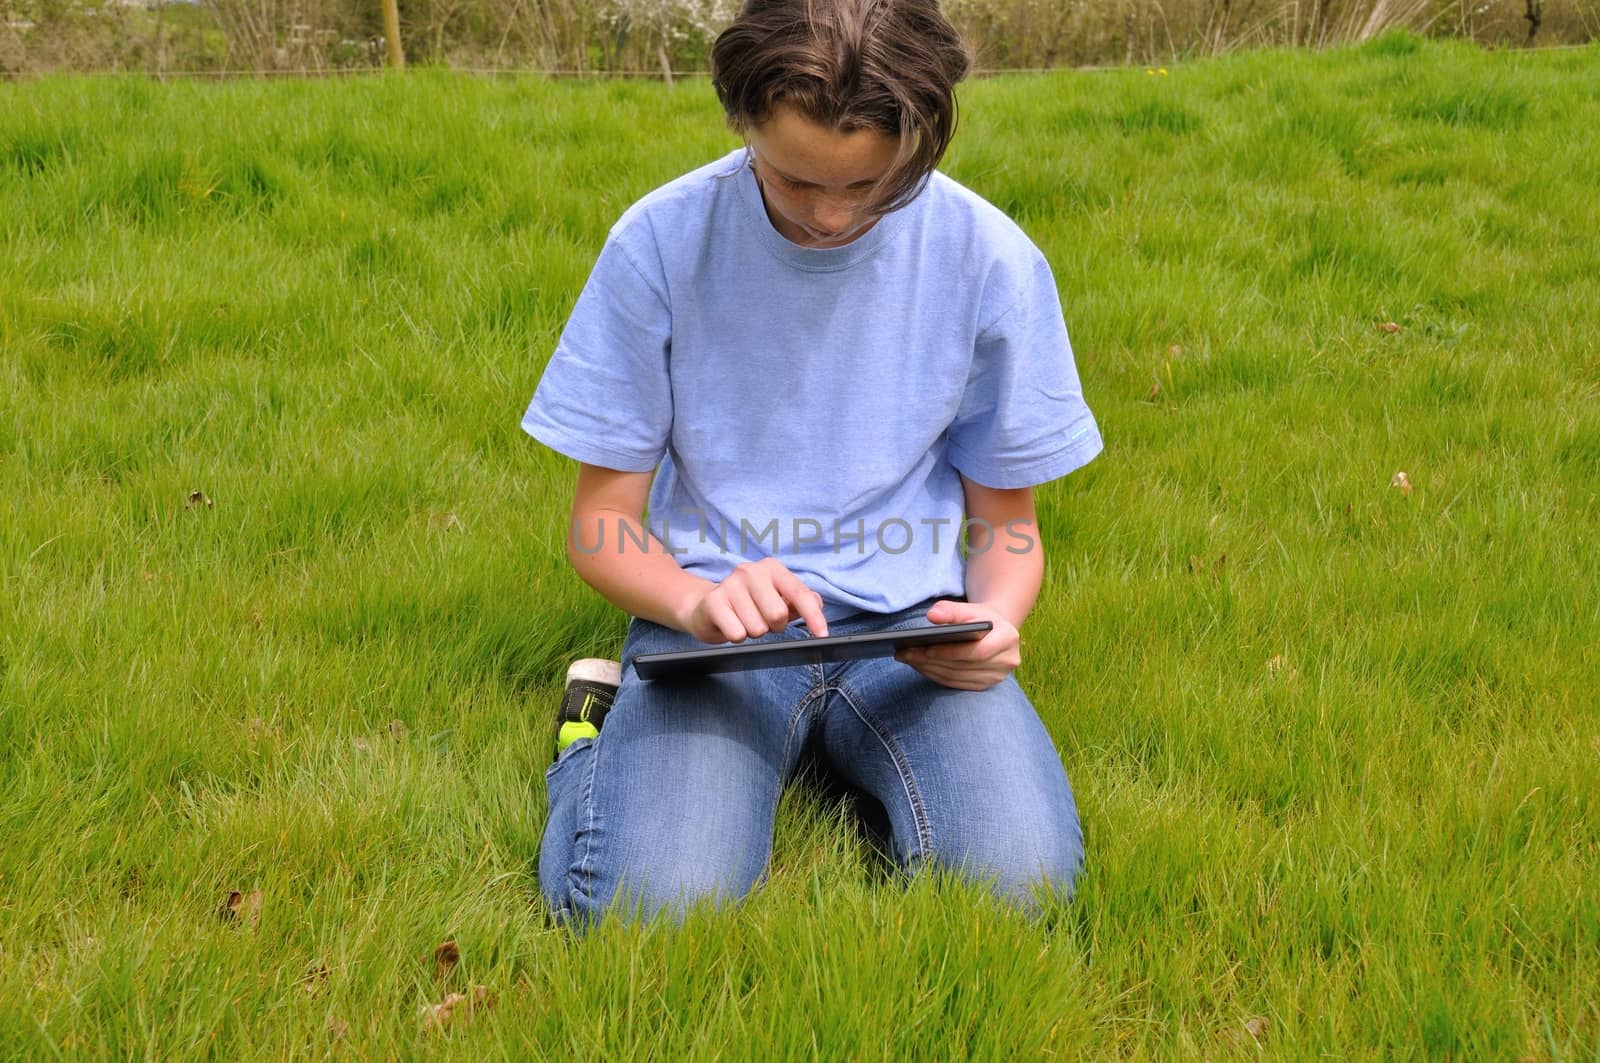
(889, 65)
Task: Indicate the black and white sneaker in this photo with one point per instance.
(591, 688)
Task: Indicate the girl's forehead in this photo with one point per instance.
(804, 150)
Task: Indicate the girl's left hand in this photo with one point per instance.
(967, 665)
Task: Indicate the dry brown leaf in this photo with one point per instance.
(436, 1015)
(316, 977)
(242, 908)
(362, 745)
(1402, 482)
(1175, 351)
(1249, 1034)
(454, 1005)
(445, 958)
(337, 1027)
(445, 521)
(1195, 564)
(1155, 391)
(149, 577)
(197, 500)
(252, 907)
(1388, 326)
(397, 730)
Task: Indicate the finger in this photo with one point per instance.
(992, 646)
(956, 679)
(911, 658)
(769, 603)
(930, 668)
(945, 611)
(720, 612)
(977, 650)
(946, 674)
(954, 652)
(964, 669)
(744, 607)
(970, 684)
(811, 610)
(807, 603)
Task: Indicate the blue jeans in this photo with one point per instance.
(674, 802)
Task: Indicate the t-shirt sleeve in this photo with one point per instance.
(605, 398)
(1022, 419)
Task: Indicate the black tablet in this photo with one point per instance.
(739, 657)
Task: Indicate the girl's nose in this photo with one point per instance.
(831, 217)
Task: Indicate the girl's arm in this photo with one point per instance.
(1005, 566)
(603, 546)
(645, 583)
(1005, 563)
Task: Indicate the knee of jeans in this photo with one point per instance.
(669, 892)
(1022, 869)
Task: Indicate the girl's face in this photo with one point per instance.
(814, 179)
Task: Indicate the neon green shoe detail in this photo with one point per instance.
(572, 731)
(590, 689)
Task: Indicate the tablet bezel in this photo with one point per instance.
(831, 649)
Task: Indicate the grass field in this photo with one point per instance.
(1336, 741)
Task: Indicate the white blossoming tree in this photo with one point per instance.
(644, 27)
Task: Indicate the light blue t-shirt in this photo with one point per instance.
(816, 403)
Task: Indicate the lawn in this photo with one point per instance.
(284, 611)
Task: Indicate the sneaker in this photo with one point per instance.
(591, 687)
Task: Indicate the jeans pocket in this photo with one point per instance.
(565, 757)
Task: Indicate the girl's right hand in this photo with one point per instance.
(756, 598)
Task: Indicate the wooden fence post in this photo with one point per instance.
(391, 33)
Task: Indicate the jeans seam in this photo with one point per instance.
(580, 877)
(818, 689)
(919, 810)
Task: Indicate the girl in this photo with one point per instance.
(835, 375)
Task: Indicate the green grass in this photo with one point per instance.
(1336, 746)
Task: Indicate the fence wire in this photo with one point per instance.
(602, 75)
